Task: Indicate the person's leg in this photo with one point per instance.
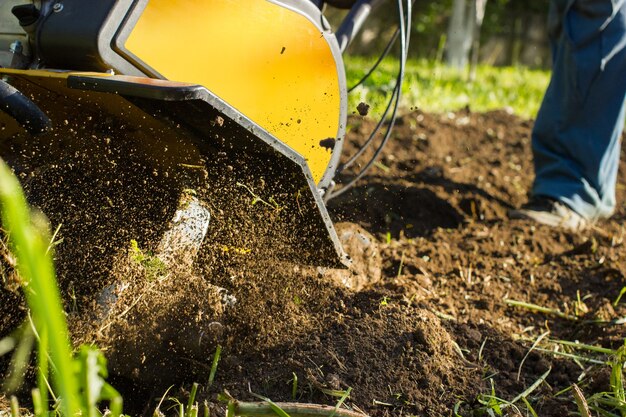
(576, 138)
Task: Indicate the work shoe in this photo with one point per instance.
(550, 212)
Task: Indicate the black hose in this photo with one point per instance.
(382, 56)
(404, 27)
(23, 110)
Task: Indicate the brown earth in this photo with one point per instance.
(429, 332)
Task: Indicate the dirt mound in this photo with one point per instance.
(429, 328)
(392, 354)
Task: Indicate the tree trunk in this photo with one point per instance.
(460, 33)
(478, 10)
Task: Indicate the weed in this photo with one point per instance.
(529, 407)
(275, 407)
(54, 242)
(541, 309)
(482, 348)
(192, 406)
(341, 401)
(581, 402)
(216, 359)
(235, 249)
(493, 405)
(613, 401)
(608, 403)
(619, 297)
(333, 392)
(191, 409)
(92, 373)
(153, 266)
(401, 266)
(15, 407)
(537, 341)
(157, 411)
(294, 386)
(382, 166)
(256, 199)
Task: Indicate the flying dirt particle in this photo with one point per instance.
(298, 121)
(328, 143)
(219, 120)
(363, 108)
(282, 50)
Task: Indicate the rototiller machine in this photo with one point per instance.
(158, 97)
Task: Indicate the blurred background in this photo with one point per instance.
(481, 54)
(496, 32)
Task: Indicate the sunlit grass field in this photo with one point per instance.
(433, 87)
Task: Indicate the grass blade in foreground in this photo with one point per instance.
(28, 240)
(260, 409)
(581, 402)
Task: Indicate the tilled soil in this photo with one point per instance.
(429, 328)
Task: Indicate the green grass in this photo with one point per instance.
(78, 379)
(433, 87)
(29, 241)
(612, 401)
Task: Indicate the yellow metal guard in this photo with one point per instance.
(239, 50)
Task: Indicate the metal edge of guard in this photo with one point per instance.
(174, 91)
(317, 18)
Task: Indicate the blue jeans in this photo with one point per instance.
(576, 137)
